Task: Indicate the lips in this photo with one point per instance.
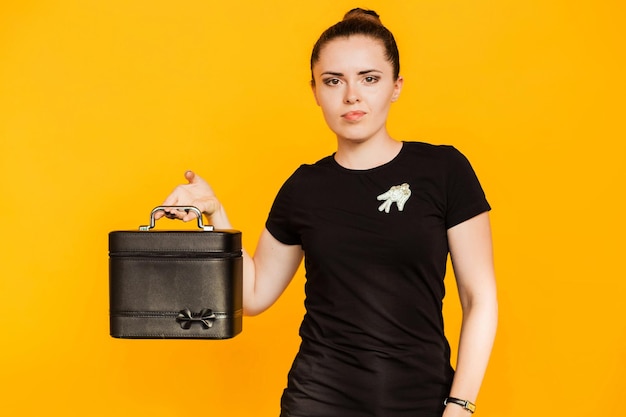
(353, 116)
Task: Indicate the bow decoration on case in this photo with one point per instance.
(186, 318)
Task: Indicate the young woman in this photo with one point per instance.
(375, 222)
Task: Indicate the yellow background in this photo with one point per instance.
(104, 105)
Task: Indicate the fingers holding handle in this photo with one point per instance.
(197, 193)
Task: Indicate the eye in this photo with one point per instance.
(370, 79)
(332, 81)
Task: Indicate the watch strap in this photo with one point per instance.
(467, 405)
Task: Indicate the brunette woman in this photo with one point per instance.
(374, 222)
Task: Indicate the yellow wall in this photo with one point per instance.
(104, 104)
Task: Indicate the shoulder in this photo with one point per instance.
(306, 173)
(438, 157)
(431, 150)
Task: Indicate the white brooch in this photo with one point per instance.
(398, 194)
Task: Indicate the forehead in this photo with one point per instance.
(354, 52)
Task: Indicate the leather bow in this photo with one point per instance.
(186, 318)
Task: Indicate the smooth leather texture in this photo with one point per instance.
(155, 276)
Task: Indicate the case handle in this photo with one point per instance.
(207, 228)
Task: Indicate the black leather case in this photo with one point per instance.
(175, 284)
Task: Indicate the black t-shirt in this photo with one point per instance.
(375, 244)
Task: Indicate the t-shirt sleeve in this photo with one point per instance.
(465, 196)
(280, 220)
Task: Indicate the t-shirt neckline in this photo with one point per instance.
(367, 170)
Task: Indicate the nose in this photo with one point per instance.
(351, 96)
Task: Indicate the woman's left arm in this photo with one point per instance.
(472, 259)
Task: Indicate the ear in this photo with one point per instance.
(397, 88)
(314, 90)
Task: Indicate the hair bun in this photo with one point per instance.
(359, 13)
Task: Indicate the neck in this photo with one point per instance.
(367, 154)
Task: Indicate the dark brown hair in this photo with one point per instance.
(360, 22)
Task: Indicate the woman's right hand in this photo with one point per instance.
(197, 193)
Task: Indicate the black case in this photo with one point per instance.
(175, 284)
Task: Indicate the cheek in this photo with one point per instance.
(381, 103)
(327, 103)
(329, 116)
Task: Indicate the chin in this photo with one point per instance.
(352, 135)
(352, 138)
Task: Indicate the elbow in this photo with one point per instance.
(485, 305)
(251, 312)
(251, 309)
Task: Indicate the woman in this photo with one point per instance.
(375, 222)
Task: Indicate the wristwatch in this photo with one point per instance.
(467, 405)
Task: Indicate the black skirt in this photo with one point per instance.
(332, 381)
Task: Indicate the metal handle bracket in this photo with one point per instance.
(206, 228)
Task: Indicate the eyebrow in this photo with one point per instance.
(339, 74)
